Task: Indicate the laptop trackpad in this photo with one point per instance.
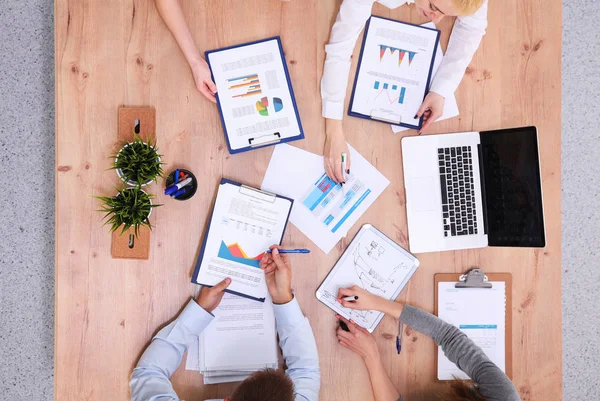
(422, 194)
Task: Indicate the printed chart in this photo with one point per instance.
(235, 253)
(247, 85)
(389, 50)
(387, 93)
(263, 106)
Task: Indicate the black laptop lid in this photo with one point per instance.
(512, 187)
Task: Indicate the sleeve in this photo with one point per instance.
(150, 378)
(461, 350)
(348, 25)
(464, 41)
(299, 348)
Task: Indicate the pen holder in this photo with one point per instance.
(192, 187)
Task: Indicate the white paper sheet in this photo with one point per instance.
(481, 314)
(243, 226)
(374, 263)
(394, 69)
(322, 210)
(450, 105)
(253, 94)
(242, 336)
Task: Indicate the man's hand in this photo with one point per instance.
(335, 145)
(278, 274)
(432, 109)
(203, 80)
(359, 341)
(210, 297)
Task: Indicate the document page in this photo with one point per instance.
(241, 338)
(244, 223)
(253, 94)
(374, 263)
(393, 76)
(323, 210)
(481, 314)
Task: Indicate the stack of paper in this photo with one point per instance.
(240, 341)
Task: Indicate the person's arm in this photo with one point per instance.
(464, 41)
(172, 14)
(299, 349)
(150, 378)
(461, 350)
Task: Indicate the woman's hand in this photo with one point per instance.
(358, 340)
(335, 145)
(203, 79)
(210, 297)
(368, 301)
(432, 109)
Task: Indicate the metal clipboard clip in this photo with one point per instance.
(263, 140)
(387, 116)
(474, 278)
(257, 193)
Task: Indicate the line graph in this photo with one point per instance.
(392, 93)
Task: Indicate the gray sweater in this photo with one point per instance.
(492, 383)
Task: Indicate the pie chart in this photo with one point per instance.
(263, 106)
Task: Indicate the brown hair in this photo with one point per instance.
(265, 385)
(462, 390)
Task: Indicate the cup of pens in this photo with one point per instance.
(181, 184)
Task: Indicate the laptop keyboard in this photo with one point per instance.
(458, 191)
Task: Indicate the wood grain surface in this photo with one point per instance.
(112, 53)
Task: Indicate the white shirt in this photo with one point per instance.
(464, 41)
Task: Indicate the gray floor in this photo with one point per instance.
(27, 200)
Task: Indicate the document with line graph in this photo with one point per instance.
(255, 95)
(394, 71)
(373, 262)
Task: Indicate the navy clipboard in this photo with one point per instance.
(354, 114)
(277, 139)
(202, 248)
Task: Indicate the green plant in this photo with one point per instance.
(138, 161)
(130, 207)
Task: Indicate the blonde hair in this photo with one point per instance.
(462, 390)
(467, 7)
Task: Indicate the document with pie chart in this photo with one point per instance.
(394, 72)
(255, 95)
(245, 222)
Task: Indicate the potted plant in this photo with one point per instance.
(138, 162)
(130, 207)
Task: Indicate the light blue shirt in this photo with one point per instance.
(150, 378)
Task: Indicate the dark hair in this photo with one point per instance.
(462, 390)
(265, 385)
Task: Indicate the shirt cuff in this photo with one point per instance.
(333, 110)
(195, 318)
(445, 90)
(288, 314)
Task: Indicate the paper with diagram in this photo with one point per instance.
(244, 223)
(323, 210)
(394, 71)
(255, 95)
(373, 262)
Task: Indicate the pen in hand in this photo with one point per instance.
(291, 251)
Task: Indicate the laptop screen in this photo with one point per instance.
(513, 188)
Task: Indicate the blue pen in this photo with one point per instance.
(182, 191)
(176, 178)
(291, 251)
(399, 339)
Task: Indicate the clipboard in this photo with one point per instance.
(252, 192)
(380, 117)
(476, 278)
(275, 137)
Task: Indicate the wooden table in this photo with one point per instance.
(111, 53)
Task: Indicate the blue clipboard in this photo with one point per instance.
(290, 88)
(202, 248)
(354, 114)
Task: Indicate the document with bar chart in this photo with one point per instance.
(394, 71)
(245, 222)
(255, 95)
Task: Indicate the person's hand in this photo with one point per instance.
(365, 301)
(203, 79)
(210, 297)
(278, 275)
(335, 145)
(432, 109)
(358, 340)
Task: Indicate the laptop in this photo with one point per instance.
(473, 189)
